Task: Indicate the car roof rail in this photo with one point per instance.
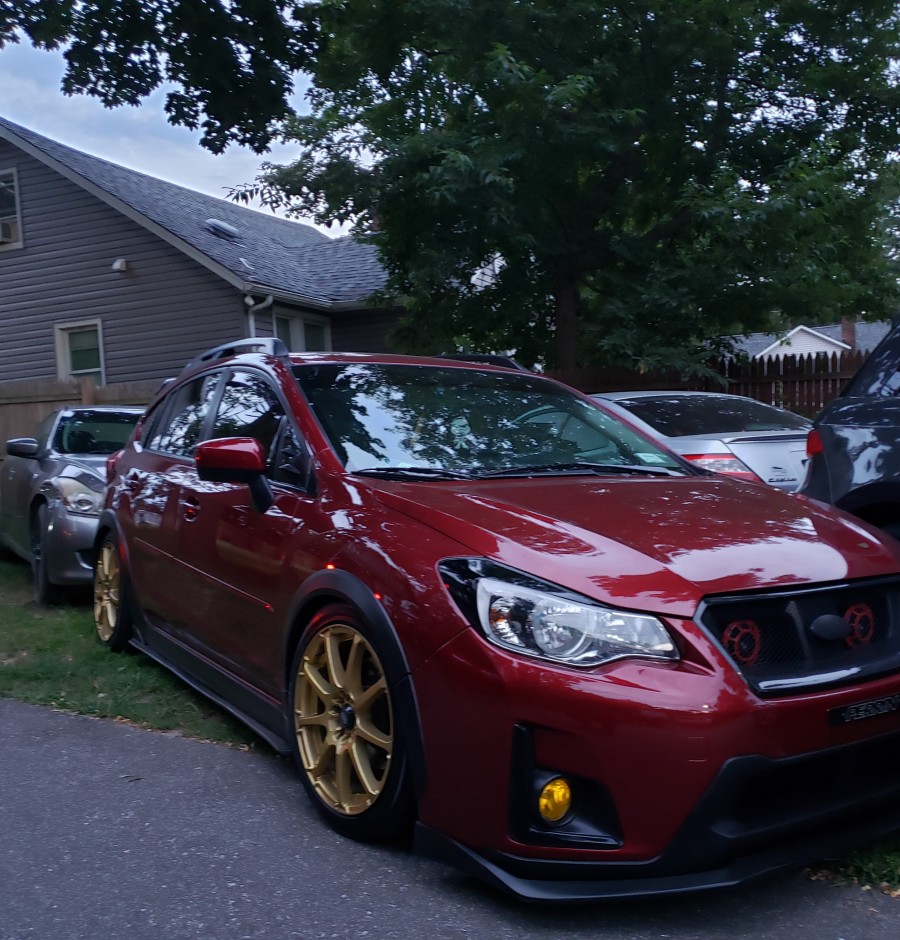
(488, 359)
(269, 345)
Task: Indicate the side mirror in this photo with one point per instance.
(22, 447)
(236, 460)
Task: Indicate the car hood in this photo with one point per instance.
(657, 545)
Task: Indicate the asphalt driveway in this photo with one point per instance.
(109, 832)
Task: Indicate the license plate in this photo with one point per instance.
(862, 710)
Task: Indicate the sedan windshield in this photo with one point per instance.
(468, 422)
(93, 432)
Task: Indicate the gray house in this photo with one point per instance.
(109, 273)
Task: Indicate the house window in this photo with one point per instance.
(304, 333)
(79, 351)
(10, 217)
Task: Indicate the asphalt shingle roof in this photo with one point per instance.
(269, 252)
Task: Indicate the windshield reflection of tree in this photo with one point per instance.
(426, 417)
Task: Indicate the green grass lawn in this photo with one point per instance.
(52, 657)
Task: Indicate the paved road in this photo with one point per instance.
(112, 833)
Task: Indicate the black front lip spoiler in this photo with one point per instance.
(759, 816)
(542, 881)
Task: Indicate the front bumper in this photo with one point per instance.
(759, 816)
(682, 779)
(70, 546)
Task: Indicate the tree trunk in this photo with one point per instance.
(565, 345)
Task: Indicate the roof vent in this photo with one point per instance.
(222, 229)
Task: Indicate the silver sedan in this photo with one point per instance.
(52, 489)
(729, 434)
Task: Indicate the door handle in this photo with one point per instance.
(190, 507)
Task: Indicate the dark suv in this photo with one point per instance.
(471, 600)
(854, 448)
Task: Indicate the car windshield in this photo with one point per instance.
(444, 420)
(93, 432)
(689, 415)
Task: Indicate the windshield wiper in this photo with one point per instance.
(581, 467)
(418, 473)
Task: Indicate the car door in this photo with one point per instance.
(152, 486)
(237, 566)
(19, 480)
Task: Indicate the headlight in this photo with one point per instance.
(79, 498)
(529, 616)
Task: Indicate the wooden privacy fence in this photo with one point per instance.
(24, 404)
(799, 383)
(803, 384)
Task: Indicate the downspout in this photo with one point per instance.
(252, 309)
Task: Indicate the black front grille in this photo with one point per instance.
(799, 639)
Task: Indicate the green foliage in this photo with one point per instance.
(232, 64)
(52, 657)
(604, 182)
(634, 179)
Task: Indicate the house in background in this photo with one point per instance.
(845, 337)
(110, 273)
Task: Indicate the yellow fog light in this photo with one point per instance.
(555, 800)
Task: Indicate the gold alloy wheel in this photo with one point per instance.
(106, 592)
(343, 719)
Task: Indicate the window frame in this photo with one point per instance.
(20, 242)
(297, 329)
(61, 334)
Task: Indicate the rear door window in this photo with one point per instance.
(181, 424)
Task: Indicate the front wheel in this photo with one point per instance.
(46, 593)
(112, 616)
(351, 759)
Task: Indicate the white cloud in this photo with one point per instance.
(139, 138)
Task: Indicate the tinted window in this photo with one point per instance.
(383, 416)
(880, 373)
(687, 415)
(93, 432)
(249, 408)
(181, 424)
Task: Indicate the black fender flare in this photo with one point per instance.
(109, 521)
(333, 585)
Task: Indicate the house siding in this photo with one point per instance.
(161, 311)
(803, 344)
(363, 330)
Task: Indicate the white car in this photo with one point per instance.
(726, 433)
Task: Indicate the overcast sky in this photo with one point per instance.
(139, 138)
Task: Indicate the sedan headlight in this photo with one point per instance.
(78, 497)
(530, 616)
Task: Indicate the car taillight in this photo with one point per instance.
(723, 463)
(111, 461)
(814, 443)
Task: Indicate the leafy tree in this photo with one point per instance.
(615, 182)
(230, 63)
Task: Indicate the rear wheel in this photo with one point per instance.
(45, 592)
(351, 759)
(112, 616)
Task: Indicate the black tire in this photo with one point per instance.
(46, 593)
(113, 619)
(343, 720)
(892, 529)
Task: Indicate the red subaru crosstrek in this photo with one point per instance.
(470, 600)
